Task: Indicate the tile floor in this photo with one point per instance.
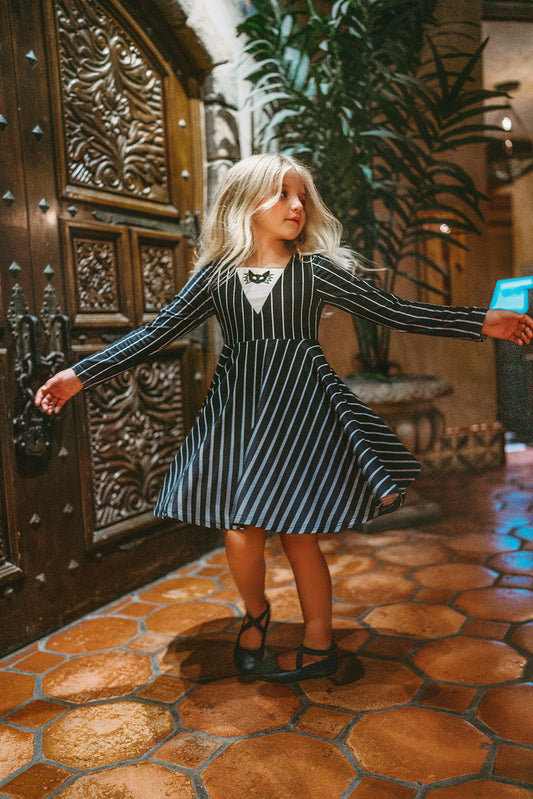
(434, 696)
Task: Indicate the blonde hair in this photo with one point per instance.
(250, 187)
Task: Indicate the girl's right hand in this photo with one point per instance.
(56, 391)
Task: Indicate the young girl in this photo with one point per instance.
(280, 444)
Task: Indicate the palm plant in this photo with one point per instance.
(374, 100)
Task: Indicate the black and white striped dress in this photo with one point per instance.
(280, 441)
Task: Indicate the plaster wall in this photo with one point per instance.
(521, 194)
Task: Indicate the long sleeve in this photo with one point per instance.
(189, 308)
(346, 291)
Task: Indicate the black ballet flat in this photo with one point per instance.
(247, 660)
(270, 670)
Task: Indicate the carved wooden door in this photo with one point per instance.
(100, 184)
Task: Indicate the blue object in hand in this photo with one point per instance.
(512, 294)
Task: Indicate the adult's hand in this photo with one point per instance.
(56, 391)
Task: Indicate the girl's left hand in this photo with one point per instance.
(509, 325)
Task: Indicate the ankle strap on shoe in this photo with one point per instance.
(306, 650)
(249, 621)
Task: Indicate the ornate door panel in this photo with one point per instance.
(99, 194)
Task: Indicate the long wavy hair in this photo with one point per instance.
(250, 187)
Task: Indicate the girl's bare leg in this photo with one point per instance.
(313, 582)
(246, 557)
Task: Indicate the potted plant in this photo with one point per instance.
(375, 96)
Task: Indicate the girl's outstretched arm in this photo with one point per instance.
(57, 390)
(361, 298)
(509, 325)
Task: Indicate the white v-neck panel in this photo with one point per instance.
(258, 291)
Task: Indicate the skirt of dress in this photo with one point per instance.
(281, 443)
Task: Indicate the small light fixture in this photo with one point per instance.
(510, 153)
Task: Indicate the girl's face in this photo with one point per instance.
(286, 218)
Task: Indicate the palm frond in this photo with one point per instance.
(373, 97)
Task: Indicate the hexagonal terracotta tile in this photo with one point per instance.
(420, 553)
(165, 689)
(36, 714)
(481, 628)
(10, 660)
(372, 788)
(97, 735)
(188, 749)
(447, 697)
(524, 637)
(93, 635)
(323, 722)
(37, 782)
(138, 781)
(179, 589)
(435, 596)
(349, 638)
(502, 604)
(455, 576)
(285, 604)
(417, 620)
(289, 634)
(470, 661)
(481, 789)
(514, 763)
(390, 647)
(101, 676)
(373, 540)
(217, 558)
(417, 745)
(384, 684)
(149, 642)
(525, 532)
(16, 749)
(235, 707)
(226, 597)
(14, 690)
(259, 766)
(199, 659)
(137, 609)
(513, 562)
(210, 571)
(278, 575)
(189, 618)
(341, 564)
(482, 542)
(226, 580)
(39, 662)
(507, 711)
(377, 588)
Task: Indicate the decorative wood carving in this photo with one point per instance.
(136, 426)
(113, 105)
(100, 274)
(160, 268)
(96, 275)
(158, 272)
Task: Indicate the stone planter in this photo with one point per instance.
(406, 405)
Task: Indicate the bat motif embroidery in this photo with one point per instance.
(252, 277)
